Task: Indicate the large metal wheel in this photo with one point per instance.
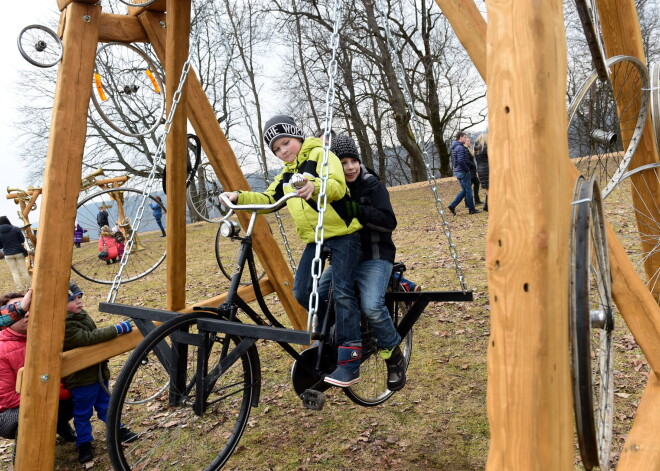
(122, 205)
(137, 3)
(606, 121)
(203, 194)
(655, 100)
(591, 324)
(40, 46)
(372, 389)
(184, 423)
(128, 91)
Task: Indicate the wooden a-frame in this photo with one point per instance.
(529, 404)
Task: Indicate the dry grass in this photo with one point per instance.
(438, 421)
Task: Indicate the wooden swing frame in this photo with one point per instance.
(529, 394)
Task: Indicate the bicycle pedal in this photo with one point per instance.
(313, 399)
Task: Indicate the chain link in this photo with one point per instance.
(417, 132)
(317, 263)
(253, 135)
(116, 283)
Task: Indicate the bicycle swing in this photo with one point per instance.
(209, 362)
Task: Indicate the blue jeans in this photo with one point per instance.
(85, 399)
(345, 257)
(465, 179)
(372, 278)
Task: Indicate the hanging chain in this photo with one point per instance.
(253, 135)
(317, 263)
(116, 283)
(417, 132)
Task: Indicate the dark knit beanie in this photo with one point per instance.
(343, 146)
(281, 126)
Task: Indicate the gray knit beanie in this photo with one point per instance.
(343, 146)
(281, 126)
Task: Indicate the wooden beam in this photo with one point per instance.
(62, 4)
(470, 28)
(158, 6)
(38, 411)
(222, 158)
(641, 451)
(121, 28)
(177, 39)
(529, 384)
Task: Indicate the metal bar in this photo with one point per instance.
(431, 296)
(146, 313)
(278, 334)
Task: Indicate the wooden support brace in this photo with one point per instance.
(38, 411)
(222, 158)
(62, 4)
(121, 28)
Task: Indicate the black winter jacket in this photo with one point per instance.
(481, 155)
(377, 218)
(80, 331)
(11, 239)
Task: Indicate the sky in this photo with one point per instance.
(15, 16)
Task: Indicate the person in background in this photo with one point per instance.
(304, 157)
(481, 156)
(108, 244)
(319, 134)
(474, 178)
(11, 242)
(86, 390)
(158, 210)
(121, 244)
(13, 343)
(78, 233)
(461, 158)
(102, 217)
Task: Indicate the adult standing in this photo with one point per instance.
(158, 210)
(474, 177)
(102, 217)
(11, 241)
(461, 158)
(481, 156)
(78, 233)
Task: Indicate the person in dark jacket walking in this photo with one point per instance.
(86, 390)
(481, 156)
(370, 203)
(474, 177)
(11, 242)
(102, 217)
(461, 158)
(158, 211)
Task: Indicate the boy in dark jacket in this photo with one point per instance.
(86, 390)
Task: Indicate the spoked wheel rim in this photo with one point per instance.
(40, 46)
(606, 121)
(149, 247)
(169, 430)
(591, 315)
(128, 93)
(204, 193)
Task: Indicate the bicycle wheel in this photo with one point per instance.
(40, 46)
(372, 389)
(606, 121)
(591, 323)
(171, 428)
(226, 253)
(128, 90)
(655, 100)
(137, 3)
(155, 385)
(203, 195)
(122, 205)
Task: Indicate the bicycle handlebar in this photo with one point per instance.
(276, 206)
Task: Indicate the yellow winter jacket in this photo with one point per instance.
(304, 212)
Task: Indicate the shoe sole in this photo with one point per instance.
(341, 384)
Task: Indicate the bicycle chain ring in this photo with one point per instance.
(591, 312)
(40, 46)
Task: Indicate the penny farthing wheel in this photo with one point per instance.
(122, 205)
(606, 121)
(128, 90)
(591, 322)
(203, 194)
(40, 46)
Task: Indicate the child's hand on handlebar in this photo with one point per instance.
(231, 196)
(306, 190)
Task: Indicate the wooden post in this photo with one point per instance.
(641, 452)
(222, 158)
(622, 36)
(529, 385)
(178, 32)
(41, 381)
(470, 28)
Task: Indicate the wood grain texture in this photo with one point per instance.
(121, 28)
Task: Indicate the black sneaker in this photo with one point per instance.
(85, 453)
(66, 432)
(126, 436)
(396, 368)
(476, 211)
(452, 209)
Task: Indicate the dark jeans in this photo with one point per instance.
(345, 256)
(465, 179)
